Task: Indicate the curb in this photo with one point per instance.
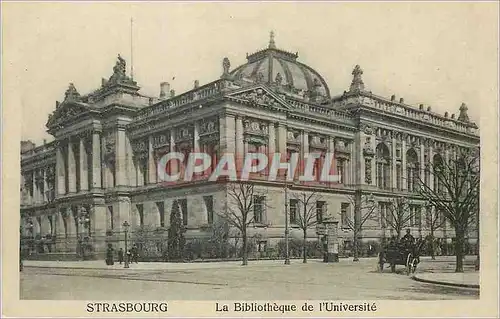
(445, 283)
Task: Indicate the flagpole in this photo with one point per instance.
(131, 48)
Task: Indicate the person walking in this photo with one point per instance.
(109, 255)
(120, 256)
(135, 254)
(129, 256)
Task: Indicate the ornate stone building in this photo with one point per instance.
(100, 170)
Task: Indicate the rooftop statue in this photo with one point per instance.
(357, 82)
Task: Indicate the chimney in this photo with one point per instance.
(453, 116)
(429, 109)
(164, 88)
(421, 107)
(393, 97)
(401, 100)
(446, 114)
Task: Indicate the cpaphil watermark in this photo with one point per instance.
(176, 167)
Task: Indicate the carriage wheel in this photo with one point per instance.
(409, 264)
(414, 265)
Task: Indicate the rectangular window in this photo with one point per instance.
(111, 224)
(258, 208)
(320, 211)
(383, 213)
(184, 209)
(344, 214)
(418, 215)
(398, 177)
(341, 170)
(294, 210)
(140, 211)
(161, 211)
(209, 204)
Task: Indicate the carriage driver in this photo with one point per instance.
(408, 240)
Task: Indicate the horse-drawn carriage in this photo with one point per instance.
(404, 253)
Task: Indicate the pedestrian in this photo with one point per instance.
(135, 254)
(109, 255)
(129, 255)
(120, 256)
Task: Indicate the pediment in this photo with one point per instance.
(65, 112)
(259, 96)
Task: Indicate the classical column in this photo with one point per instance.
(96, 160)
(404, 182)
(359, 158)
(431, 165)
(373, 141)
(151, 162)
(98, 226)
(131, 167)
(84, 176)
(394, 163)
(196, 136)
(422, 160)
(70, 222)
(271, 146)
(239, 138)
(282, 137)
(227, 131)
(45, 186)
(121, 157)
(106, 182)
(34, 186)
(304, 149)
(139, 171)
(71, 168)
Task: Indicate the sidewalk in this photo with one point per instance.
(100, 264)
(466, 280)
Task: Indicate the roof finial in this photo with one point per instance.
(272, 45)
(464, 117)
(357, 82)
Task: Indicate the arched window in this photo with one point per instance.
(383, 160)
(437, 167)
(412, 170)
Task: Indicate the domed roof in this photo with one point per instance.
(281, 68)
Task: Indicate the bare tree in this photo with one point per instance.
(304, 215)
(434, 220)
(397, 215)
(239, 212)
(364, 209)
(457, 194)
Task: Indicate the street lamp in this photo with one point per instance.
(125, 227)
(83, 220)
(287, 251)
(32, 235)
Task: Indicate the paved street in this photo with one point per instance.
(264, 280)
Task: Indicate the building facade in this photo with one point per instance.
(101, 168)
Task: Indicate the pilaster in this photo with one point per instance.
(151, 162)
(84, 180)
(272, 139)
(393, 163)
(96, 160)
(404, 182)
(121, 158)
(71, 167)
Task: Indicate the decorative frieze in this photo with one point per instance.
(342, 148)
(368, 150)
(368, 171)
(293, 137)
(184, 134)
(140, 149)
(318, 141)
(109, 147)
